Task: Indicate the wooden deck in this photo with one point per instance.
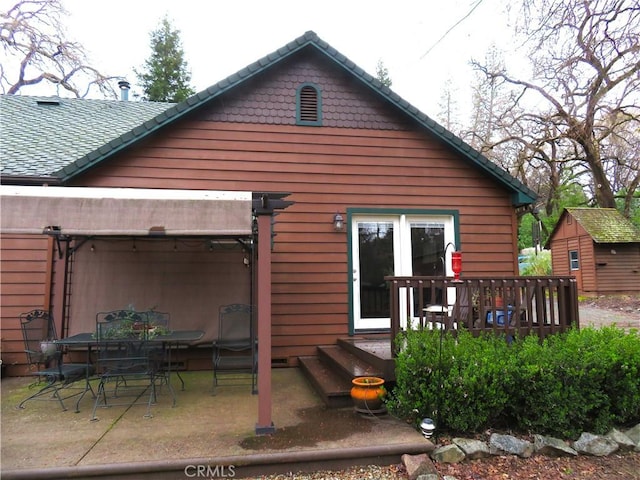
(510, 306)
(519, 305)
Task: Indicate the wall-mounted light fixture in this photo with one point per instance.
(338, 223)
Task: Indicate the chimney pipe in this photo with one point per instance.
(124, 90)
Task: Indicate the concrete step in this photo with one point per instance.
(333, 388)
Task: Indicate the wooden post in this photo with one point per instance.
(265, 424)
(264, 205)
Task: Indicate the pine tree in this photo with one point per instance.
(382, 74)
(165, 77)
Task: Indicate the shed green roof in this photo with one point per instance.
(605, 225)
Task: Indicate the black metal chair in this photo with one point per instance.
(236, 347)
(159, 323)
(127, 361)
(46, 361)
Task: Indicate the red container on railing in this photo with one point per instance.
(456, 264)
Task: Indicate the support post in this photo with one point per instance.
(265, 424)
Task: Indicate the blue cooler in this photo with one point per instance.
(499, 316)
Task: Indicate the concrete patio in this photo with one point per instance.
(206, 431)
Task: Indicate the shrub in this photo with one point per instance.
(462, 379)
(537, 265)
(586, 380)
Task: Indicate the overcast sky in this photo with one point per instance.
(222, 37)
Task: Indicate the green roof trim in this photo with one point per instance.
(605, 225)
(520, 193)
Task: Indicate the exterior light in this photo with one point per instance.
(427, 427)
(456, 264)
(338, 223)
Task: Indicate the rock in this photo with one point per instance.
(448, 454)
(429, 476)
(623, 441)
(473, 449)
(552, 447)
(507, 444)
(634, 434)
(418, 466)
(596, 445)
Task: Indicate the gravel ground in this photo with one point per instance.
(391, 472)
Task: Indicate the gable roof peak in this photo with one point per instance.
(520, 193)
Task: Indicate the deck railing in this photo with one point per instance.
(513, 306)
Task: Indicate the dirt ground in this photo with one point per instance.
(616, 303)
(614, 467)
(624, 466)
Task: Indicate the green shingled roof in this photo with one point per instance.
(64, 169)
(41, 135)
(605, 225)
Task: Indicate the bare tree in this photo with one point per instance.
(583, 98)
(36, 50)
(448, 104)
(487, 94)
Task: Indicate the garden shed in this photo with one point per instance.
(600, 247)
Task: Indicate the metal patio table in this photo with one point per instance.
(168, 341)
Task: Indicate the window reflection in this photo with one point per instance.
(376, 254)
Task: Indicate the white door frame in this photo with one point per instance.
(401, 219)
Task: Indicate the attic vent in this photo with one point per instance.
(309, 111)
(48, 102)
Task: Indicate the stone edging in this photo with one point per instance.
(420, 466)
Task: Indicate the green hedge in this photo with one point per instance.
(583, 380)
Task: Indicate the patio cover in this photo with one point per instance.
(124, 211)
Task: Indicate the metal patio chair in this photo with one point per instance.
(159, 323)
(128, 364)
(46, 362)
(235, 349)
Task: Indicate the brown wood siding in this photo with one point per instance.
(23, 287)
(567, 237)
(326, 170)
(617, 272)
(560, 257)
(587, 265)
